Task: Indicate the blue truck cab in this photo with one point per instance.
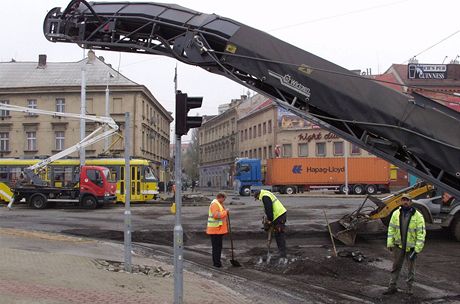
(248, 174)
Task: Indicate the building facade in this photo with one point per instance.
(268, 131)
(56, 87)
(218, 149)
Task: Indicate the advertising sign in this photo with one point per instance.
(427, 71)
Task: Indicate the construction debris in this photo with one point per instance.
(113, 266)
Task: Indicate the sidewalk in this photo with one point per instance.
(38, 267)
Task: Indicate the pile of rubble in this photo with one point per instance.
(113, 266)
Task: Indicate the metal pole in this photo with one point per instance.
(178, 231)
(164, 177)
(347, 146)
(107, 114)
(128, 247)
(83, 112)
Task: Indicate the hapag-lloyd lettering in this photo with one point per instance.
(325, 170)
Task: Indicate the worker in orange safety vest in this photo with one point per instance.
(217, 227)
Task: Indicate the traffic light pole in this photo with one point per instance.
(178, 230)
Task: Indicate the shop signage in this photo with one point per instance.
(316, 136)
(427, 71)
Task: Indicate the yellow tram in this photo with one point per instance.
(144, 183)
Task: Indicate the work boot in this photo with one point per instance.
(390, 291)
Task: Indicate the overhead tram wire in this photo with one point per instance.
(437, 43)
(337, 15)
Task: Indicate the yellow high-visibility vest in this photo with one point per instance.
(278, 208)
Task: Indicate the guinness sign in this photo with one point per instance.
(427, 71)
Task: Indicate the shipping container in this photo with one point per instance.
(365, 174)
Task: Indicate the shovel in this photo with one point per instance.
(234, 262)
(269, 241)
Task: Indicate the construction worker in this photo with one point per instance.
(406, 238)
(217, 227)
(275, 215)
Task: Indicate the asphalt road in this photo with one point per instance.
(313, 271)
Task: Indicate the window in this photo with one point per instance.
(264, 128)
(4, 113)
(4, 141)
(355, 149)
(246, 154)
(269, 126)
(32, 104)
(242, 154)
(287, 150)
(94, 176)
(255, 132)
(59, 142)
(250, 153)
(4, 174)
(303, 150)
(60, 105)
(259, 130)
(246, 134)
(31, 141)
(259, 153)
(338, 148)
(241, 135)
(265, 153)
(250, 133)
(270, 152)
(321, 149)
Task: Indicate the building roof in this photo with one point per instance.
(30, 74)
(440, 90)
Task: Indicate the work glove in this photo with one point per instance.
(266, 224)
(412, 255)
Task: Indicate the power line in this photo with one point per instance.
(437, 43)
(337, 15)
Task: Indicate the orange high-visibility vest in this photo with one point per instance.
(217, 219)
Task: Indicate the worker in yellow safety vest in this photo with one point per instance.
(406, 238)
(275, 216)
(217, 227)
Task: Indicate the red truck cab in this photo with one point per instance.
(96, 186)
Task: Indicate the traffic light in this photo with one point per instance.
(183, 105)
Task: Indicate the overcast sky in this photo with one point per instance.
(356, 34)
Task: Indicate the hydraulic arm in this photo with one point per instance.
(410, 131)
(97, 135)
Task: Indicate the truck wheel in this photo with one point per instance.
(89, 202)
(455, 227)
(371, 189)
(358, 189)
(289, 190)
(342, 189)
(246, 191)
(38, 201)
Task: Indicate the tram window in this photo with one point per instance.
(113, 173)
(148, 173)
(133, 173)
(3, 173)
(63, 174)
(122, 173)
(15, 173)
